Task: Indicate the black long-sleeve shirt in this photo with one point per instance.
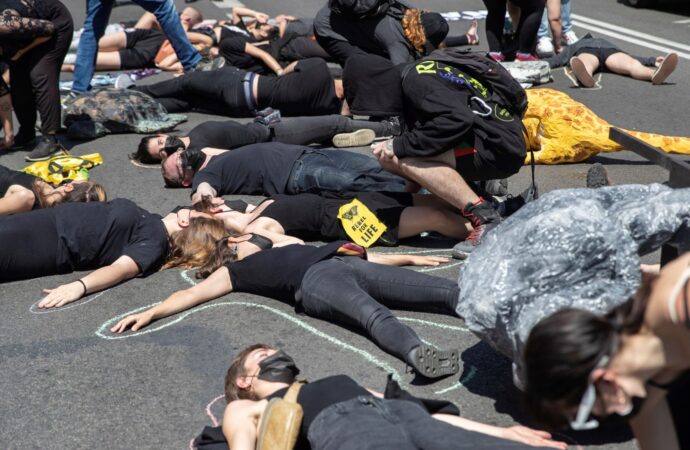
(438, 116)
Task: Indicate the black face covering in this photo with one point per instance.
(615, 418)
(279, 367)
(173, 144)
(262, 242)
(193, 159)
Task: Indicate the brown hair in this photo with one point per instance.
(236, 370)
(222, 254)
(87, 191)
(194, 245)
(413, 28)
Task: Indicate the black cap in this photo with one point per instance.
(435, 27)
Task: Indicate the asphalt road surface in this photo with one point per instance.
(67, 382)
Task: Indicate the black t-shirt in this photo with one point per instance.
(315, 216)
(319, 395)
(232, 48)
(257, 169)
(94, 234)
(277, 273)
(226, 135)
(8, 177)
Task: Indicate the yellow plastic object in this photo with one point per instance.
(64, 168)
(360, 224)
(562, 130)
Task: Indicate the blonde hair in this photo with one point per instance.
(194, 245)
(413, 28)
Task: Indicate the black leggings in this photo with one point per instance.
(36, 74)
(219, 91)
(357, 293)
(526, 32)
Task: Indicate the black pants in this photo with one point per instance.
(355, 292)
(219, 91)
(36, 74)
(526, 32)
(320, 129)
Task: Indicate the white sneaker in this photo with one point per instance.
(545, 47)
(569, 37)
(123, 81)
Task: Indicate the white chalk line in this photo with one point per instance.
(34, 309)
(470, 374)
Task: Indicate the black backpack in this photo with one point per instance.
(505, 90)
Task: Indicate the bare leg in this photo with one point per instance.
(584, 66)
(624, 64)
(417, 219)
(112, 42)
(108, 61)
(438, 175)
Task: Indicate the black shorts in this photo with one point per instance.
(602, 54)
(473, 164)
(141, 49)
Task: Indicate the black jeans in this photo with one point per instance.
(36, 74)
(370, 423)
(320, 129)
(526, 32)
(220, 91)
(356, 292)
(340, 171)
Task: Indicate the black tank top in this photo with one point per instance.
(319, 395)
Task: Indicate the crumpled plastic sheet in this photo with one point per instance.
(571, 248)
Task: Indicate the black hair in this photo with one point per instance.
(142, 154)
(563, 349)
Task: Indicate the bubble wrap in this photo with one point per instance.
(571, 248)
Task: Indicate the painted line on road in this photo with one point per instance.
(633, 40)
(630, 32)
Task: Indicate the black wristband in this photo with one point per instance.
(82, 283)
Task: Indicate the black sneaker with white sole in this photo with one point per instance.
(47, 147)
(430, 362)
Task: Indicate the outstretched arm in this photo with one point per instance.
(405, 260)
(239, 11)
(521, 434)
(122, 269)
(214, 286)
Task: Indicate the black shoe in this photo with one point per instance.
(484, 218)
(47, 147)
(391, 127)
(597, 176)
(498, 188)
(512, 204)
(431, 362)
(22, 141)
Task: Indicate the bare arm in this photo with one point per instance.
(240, 423)
(17, 199)
(405, 260)
(122, 269)
(214, 286)
(6, 119)
(240, 11)
(521, 434)
(256, 52)
(204, 190)
(147, 21)
(653, 426)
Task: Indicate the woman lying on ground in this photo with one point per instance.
(21, 192)
(627, 365)
(338, 282)
(339, 410)
(117, 239)
(590, 55)
(367, 218)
